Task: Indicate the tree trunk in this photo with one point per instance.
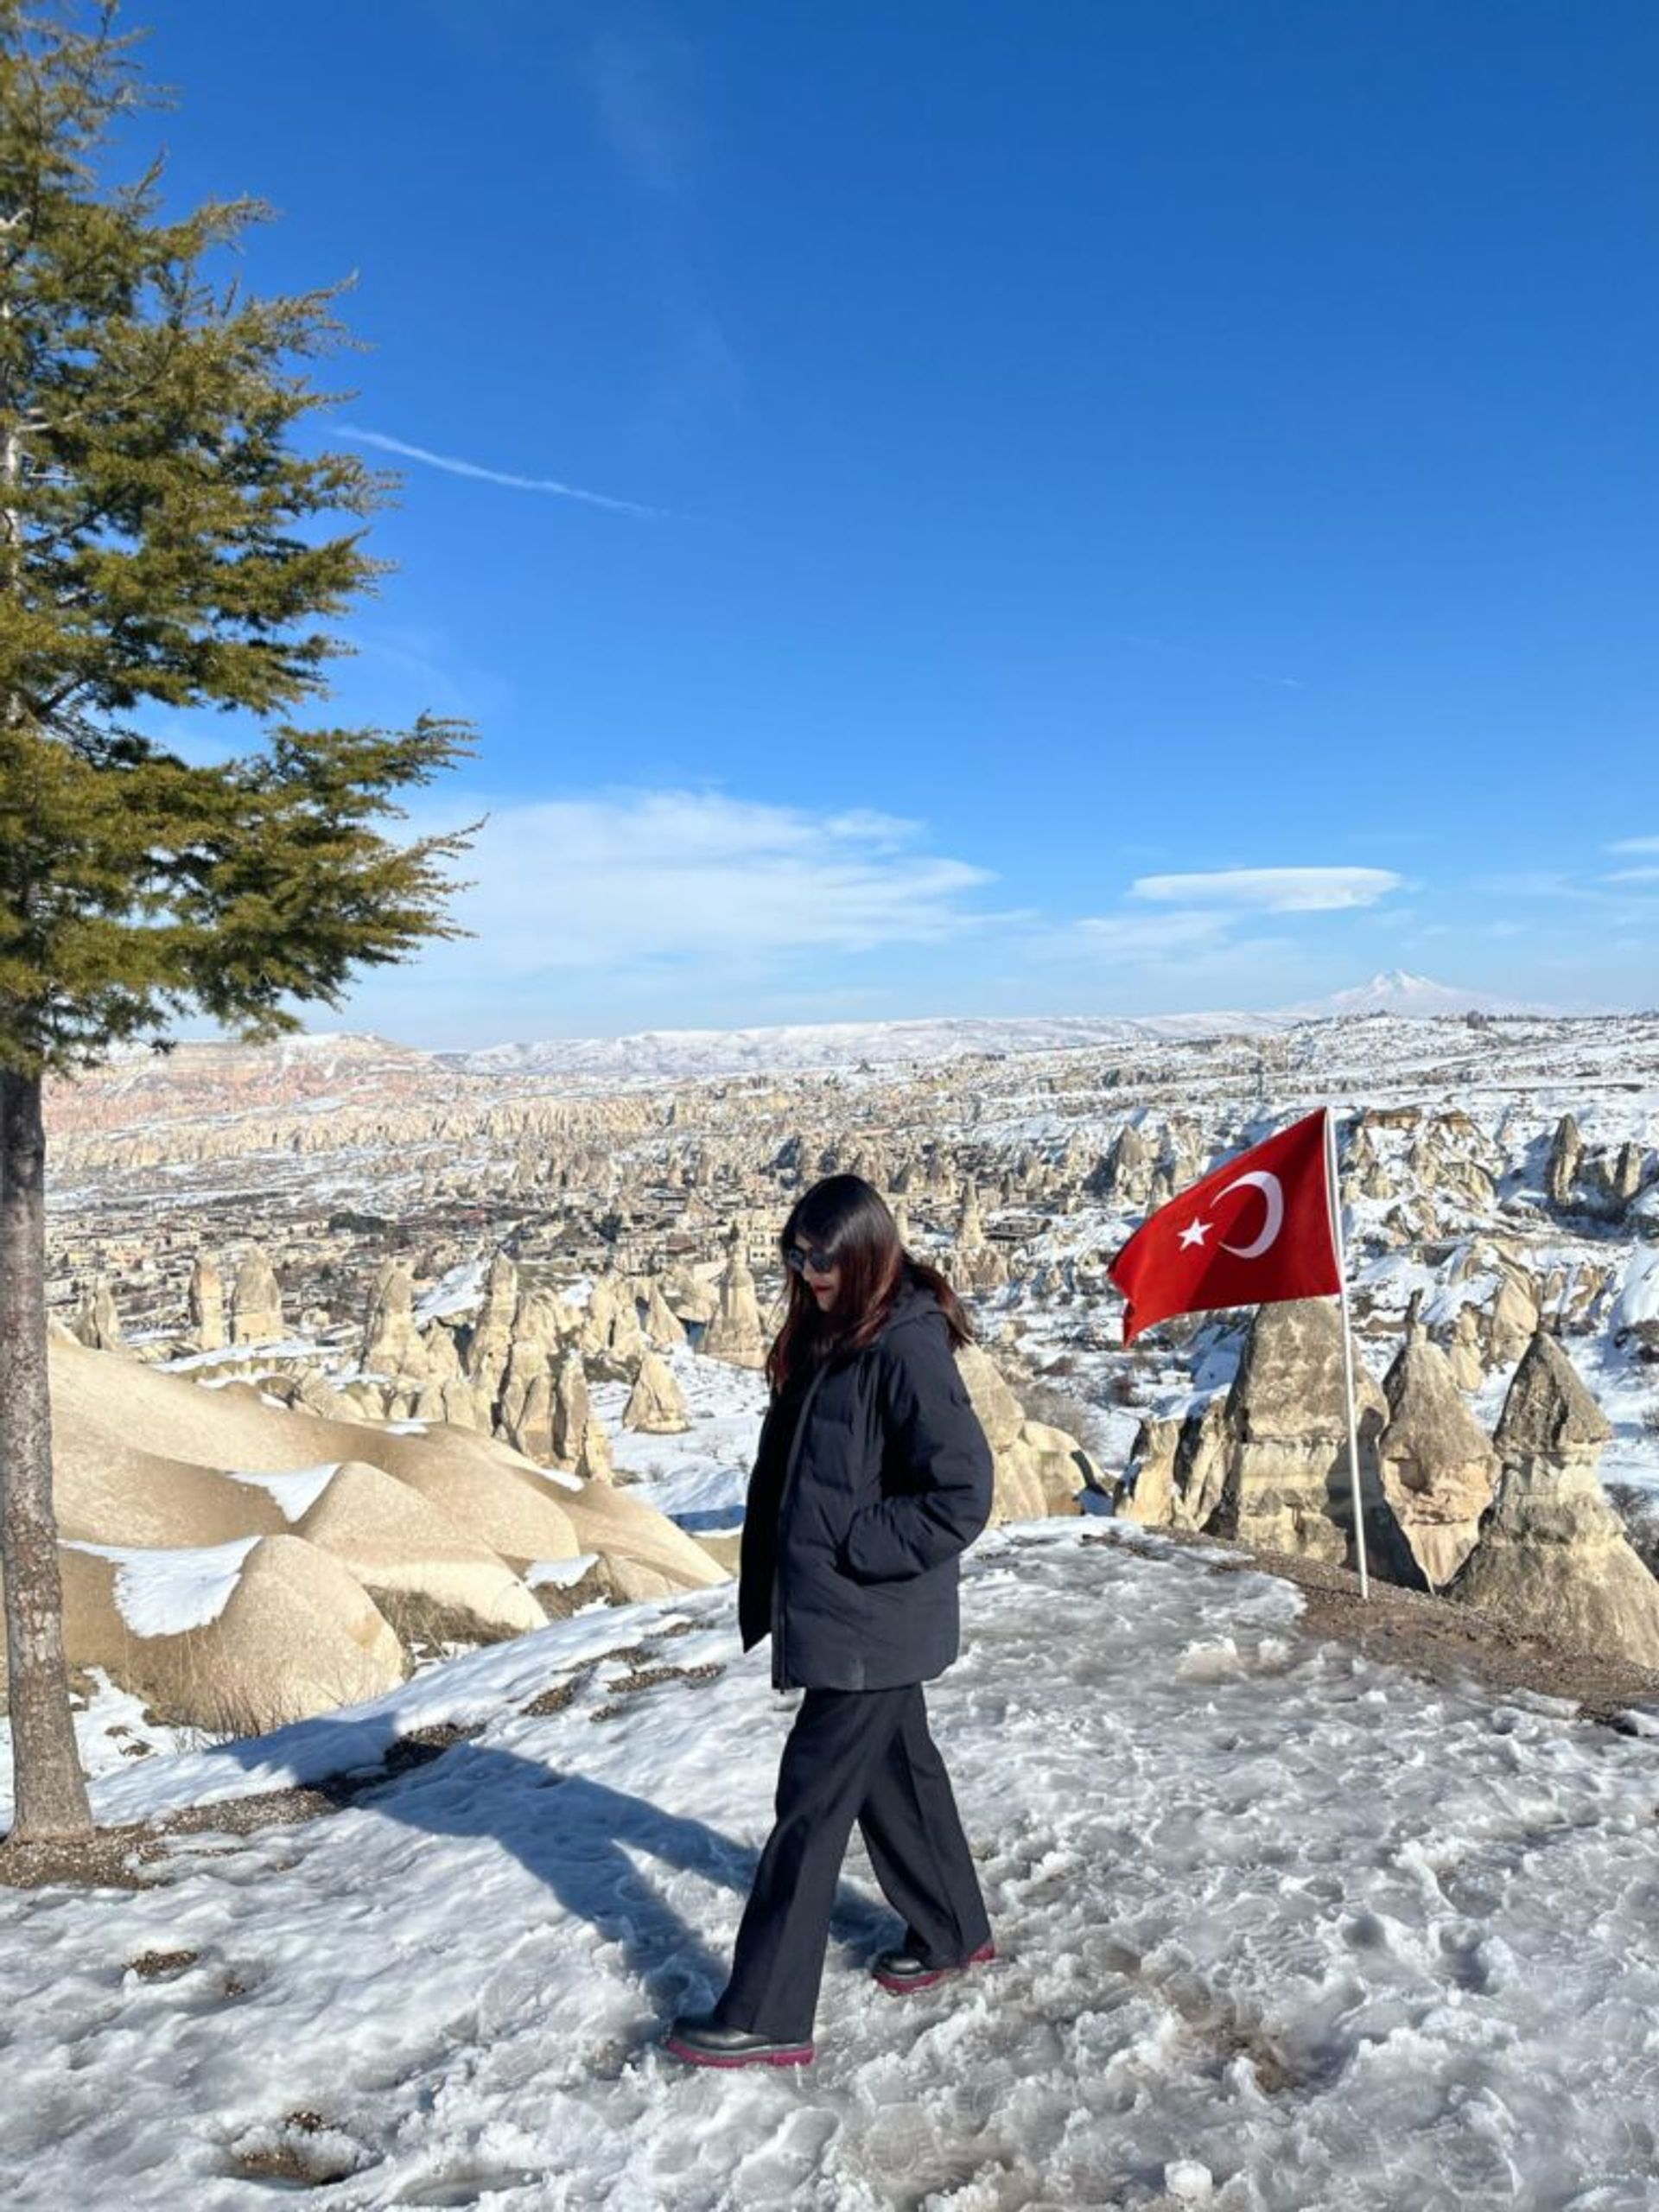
(50, 1792)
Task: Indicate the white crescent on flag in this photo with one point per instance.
(1273, 1191)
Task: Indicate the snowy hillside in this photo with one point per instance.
(1281, 1928)
(693, 1052)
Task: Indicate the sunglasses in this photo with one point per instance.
(799, 1257)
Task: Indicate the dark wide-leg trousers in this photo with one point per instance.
(863, 1756)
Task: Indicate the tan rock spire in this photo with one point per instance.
(491, 1340)
(736, 1333)
(205, 1304)
(255, 1299)
(663, 1326)
(571, 1410)
(1553, 1555)
(97, 1323)
(611, 1338)
(655, 1406)
(1438, 1468)
(391, 1343)
(1287, 1486)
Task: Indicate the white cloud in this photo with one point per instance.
(631, 879)
(452, 466)
(1633, 845)
(1632, 875)
(1272, 890)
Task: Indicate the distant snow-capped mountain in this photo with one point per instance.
(1396, 990)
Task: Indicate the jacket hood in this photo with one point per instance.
(914, 1303)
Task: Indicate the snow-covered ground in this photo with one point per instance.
(699, 1477)
(1280, 1927)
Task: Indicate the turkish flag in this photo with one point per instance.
(1251, 1233)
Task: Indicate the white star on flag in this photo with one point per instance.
(1194, 1233)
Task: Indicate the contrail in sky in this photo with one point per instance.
(454, 467)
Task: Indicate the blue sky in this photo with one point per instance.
(967, 509)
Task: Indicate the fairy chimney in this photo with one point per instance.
(205, 1304)
(491, 1340)
(664, 1328)
(1437, 1467)
(570, 1409)
(736, 1334)
(97, 1323)
(611, 1338)
(525, 1420)
(392, 1342)
(655, 1406)
(1289, 1487)
(255, 1299)
(1552, 1555)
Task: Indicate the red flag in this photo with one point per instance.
(1251, 1233)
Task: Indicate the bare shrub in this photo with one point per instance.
(1045, 1402)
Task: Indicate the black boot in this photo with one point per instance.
(700, 2040)
(902, 1971)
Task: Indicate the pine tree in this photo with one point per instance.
(161, 543)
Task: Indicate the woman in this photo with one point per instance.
(873, 1476)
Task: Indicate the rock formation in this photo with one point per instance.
(1267, 1464)
(1553, 1556)
(1040, 1469)
(1463, 1350)
(655, 1406)
(1179, 1468)
(295, 1634)
(330, 1540)
(490, 1342)
(594, 1461)
(1125, 1175)
(429, 1578)
(975, 1265)
(1150, 1476)
(256, 1300)
(1566, 1151)
(1437, 1466)
(97, 1323)
(736, 1333)
(612, 1339)
(571, 1410)
(691, 1299)
(524, 1415)
(391, 1343)
(1514, 1316)
(205, 1304)
(663, 1326)
(1287, 1486)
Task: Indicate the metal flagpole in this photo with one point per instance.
(1333, 1192)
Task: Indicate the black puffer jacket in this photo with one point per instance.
(887, 1481)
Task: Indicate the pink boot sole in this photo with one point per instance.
(790, 2054)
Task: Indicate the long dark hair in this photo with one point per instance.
(848, 1218)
